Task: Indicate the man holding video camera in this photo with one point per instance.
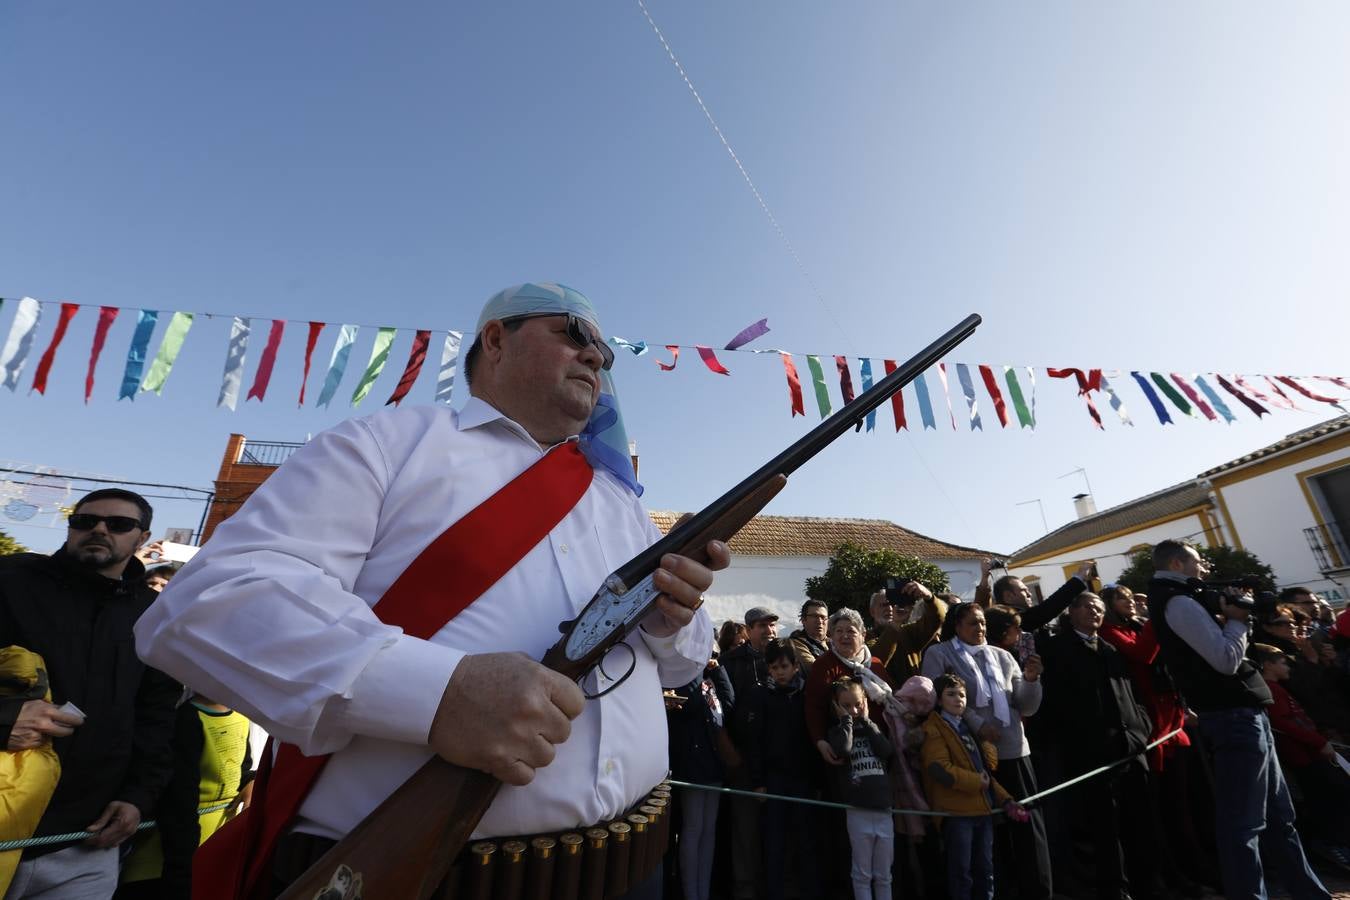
(1203, 639)
(901, 632)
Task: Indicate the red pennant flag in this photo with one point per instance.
(106, 314)
(995, 394)
(845, 378)
(1285, 379)
(710, 359)
(1283, 396)
(263, 376)
(1087, 383)
(416, 357)
(674, 358)
(1195, 397)
(314, 329)
(68, 311)
(794, 384)
(897, 401)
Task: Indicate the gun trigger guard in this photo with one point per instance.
(565, 626)
(632, 664)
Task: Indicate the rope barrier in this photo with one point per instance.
(757, 795)
(85, 835)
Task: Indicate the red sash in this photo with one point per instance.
(478, 549)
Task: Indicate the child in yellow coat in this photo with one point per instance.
(956, 776)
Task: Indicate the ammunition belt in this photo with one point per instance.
(595, 863)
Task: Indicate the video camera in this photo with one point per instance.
(895, 592)
(1240, 591)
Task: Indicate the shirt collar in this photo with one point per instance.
(1169, 575)
(477, 412)
(1086, 637)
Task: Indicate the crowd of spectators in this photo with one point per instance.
(919, 732)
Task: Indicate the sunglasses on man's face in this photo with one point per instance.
(116, 524)
(578, 334)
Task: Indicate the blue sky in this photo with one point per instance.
(1140, 187)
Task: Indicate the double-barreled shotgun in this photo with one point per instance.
(406, 846)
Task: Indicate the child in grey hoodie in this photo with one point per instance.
(861, 782)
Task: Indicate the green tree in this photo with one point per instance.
(1224, 563)
(855, 573)
(9, 545)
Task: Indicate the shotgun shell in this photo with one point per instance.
(567, 869)
(510, 878)
(540, 868)
(594, 865)
(482, 857)
(620, 851)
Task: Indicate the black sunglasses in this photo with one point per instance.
(577, 333)
(116, 524)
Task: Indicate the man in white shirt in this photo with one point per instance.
(274, 616)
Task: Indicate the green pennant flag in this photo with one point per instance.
(1024, 417)
(818, 382)
(174, 336)
(1171, 393)
(379, 355)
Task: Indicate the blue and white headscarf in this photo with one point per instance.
(604, 440)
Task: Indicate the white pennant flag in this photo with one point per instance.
(20, 340)
(234, 363)
(445, 380)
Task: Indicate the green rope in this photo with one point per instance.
(758, 795)
(84, 835)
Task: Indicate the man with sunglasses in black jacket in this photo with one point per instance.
(111, 716)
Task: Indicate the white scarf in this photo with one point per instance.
(982, 668)
(876, 690)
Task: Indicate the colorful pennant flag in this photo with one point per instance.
(1171, 394)
(445, 378)
(991, 385)
(1282, 395)
(167, 355)
(1242, 398)
(637, 349)
(1116, 403)
(1255, 393)
(379, 355)
(416, 356)
(68, 311)
(674, 358)
(925, 403)
(136, 353)
(968, 389)
(20, 340)
(106, 315)
(1026, 417)
(897, 400)
(1152, 396)
(235, 352)
(794, 384)
(310, 341)
(263, 376)
(1087, 383)
(748, 334)
(337, 365)
(818, 382)
(942, 376)
(1214, 399)
(866, 370)
(1307, 393)
(1195, 398)
(710, 359)
(845, 379)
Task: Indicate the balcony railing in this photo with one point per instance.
(266, 453)
(1328, 546)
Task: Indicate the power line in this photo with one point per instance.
(95, 480)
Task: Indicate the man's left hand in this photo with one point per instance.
(118, 822)
(682, 582)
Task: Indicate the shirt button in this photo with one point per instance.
(562, 548)
(609, 767)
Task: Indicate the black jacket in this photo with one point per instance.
(80, 623)
(693, 731)
(1090, 711)
(780, 752)
(746, 668)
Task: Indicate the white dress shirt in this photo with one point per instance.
(274, 617)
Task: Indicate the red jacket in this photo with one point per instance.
(825, 671)
(1297, 740)
(1140, 649)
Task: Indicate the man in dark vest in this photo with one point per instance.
(1205, 650)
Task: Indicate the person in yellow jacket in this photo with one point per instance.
(957, 777)
(27, 777)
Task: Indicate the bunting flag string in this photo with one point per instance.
(20, 340)
(416, 356)
(337, 365)
(1164, 418)
(710, 359)
(865, 369)
(140, 345)
(68, 311)
(235, 352)
(748, 334)
(445, 378)
(845, 379)
(106, 316)
(968, 389)
(794, 384)
(1171, 394)
(379, 355)
(674, 358)
(818, 382)
(167, 355)
(1214, 399)
(925, 402)
(311, 340)
(263, 376)
(1242, 398)
(942, 376)
(897, 399)
(1026, 417)
(990, 385)
(1195, 398)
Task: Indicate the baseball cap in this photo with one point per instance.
(758, 614)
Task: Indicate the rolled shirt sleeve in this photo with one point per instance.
(1223, 648)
